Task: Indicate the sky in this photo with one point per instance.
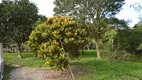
(46, 8)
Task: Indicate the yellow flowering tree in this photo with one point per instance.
(55, 38)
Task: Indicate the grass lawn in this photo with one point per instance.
(95, 69)
(27, 60)
(102, 69)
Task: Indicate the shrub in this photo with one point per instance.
(56, 37)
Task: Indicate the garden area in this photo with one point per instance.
(84, 40)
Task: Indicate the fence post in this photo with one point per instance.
(1, 52)
(1, 61)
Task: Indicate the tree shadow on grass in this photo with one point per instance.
(27, 55)
(89, 53)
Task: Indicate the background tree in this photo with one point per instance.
(114, 26)
(20, 16)
(3, 25)
(138, 26)
(93, 12)
(41, 19)
(138, 31)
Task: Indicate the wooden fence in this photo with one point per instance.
(1, 61)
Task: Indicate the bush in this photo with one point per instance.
(122, 55)
(56, 37)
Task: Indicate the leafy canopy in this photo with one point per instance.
(91, 12)
(18, 17)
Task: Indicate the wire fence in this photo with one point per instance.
(1, 61)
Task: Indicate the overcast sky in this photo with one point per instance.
(46, 8)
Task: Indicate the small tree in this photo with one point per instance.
(55, 38)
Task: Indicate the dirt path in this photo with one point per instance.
(26, 73)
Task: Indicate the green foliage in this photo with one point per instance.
(128, 40)
(138, 29)
(55, 38)
(81, 8)
(122, 55)
(109, 35)
(140, 47)
(91, 12)
(7, 70)
(118, 24)
(3, 26)
(18, 19)
(107, 42)
(41, 19)
(138, 26)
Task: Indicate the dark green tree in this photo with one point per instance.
(41, 19)
(128, 40)
(138, 30)
(20, 16)
(92, 12)
(138, 26)
(114, 26)
(4, 37)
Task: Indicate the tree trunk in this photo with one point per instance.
(112, 45)
(133, 52)
(11, 48)
(88, 47)
(19, 51)
(82, 50)
(97, 47)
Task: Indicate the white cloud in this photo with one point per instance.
(45, 7)
(128, 13)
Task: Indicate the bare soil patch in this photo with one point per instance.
(27, 73)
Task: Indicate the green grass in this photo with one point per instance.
(7, 70)
(28, 60)
(102, 69)
(95, 69)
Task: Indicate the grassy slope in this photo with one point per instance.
(96, 69)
